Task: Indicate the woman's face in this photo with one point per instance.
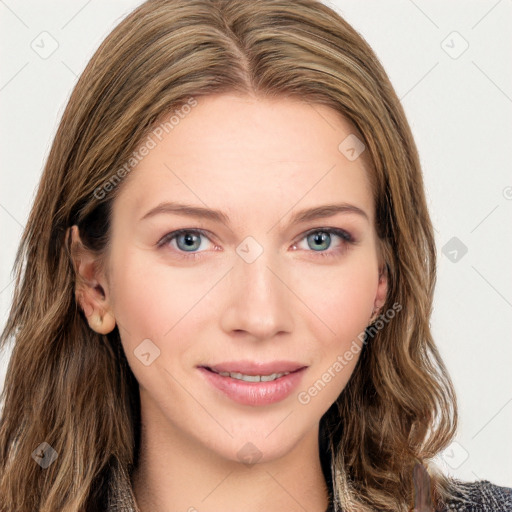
(257, 284)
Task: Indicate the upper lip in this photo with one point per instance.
(256, 368)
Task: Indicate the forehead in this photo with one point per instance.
(245, 154)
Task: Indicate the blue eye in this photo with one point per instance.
(188, 241)
(320, 240)
(185, 239)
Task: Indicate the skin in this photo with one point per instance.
(260, 162)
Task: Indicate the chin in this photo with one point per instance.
(258, 448)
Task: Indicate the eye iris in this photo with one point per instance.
(320, 237)
(190, 239)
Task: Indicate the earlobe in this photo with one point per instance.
(91, 287)
(102, 325)
(98, 319)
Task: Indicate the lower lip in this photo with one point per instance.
(254, 393)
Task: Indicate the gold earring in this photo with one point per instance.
(103, 324)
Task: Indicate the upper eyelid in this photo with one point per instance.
(331, 229)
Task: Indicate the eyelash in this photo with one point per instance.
(345, 237)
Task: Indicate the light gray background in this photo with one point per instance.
(459, 106)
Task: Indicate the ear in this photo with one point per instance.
(382, 290)
(91, 289)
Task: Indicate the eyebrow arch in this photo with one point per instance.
(199, 212)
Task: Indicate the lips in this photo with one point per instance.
(255, 368)
(255, 392)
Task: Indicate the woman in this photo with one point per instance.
(224, 287)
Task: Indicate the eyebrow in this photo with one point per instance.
(199, 212)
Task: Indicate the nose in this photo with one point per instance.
(258, 301)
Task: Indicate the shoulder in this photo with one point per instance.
(481, 496)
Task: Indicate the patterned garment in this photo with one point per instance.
(483, 496)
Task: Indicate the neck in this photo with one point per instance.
(176, 472)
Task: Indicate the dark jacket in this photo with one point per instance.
(483, 496)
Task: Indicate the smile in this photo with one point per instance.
(254, 390)
(252, 378)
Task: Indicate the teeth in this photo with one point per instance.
(252, 378)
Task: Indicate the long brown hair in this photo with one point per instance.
(72, 388)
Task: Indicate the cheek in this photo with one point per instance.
(341, 297)
(161, 303)
(149, 298)
(154, 302)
